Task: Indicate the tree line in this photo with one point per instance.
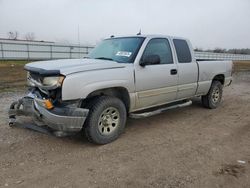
(30, 36)
(14, 35)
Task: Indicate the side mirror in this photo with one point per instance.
(150, 60)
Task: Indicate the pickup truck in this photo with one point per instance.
(134, 76)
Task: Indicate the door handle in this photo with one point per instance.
(173, 71)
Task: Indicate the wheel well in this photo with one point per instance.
(220, 78)
(119, 92)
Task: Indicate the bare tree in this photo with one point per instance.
(12, 35)
(219, 50)
(30, 36)
(197, 49)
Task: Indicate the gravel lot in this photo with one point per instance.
(188, 147)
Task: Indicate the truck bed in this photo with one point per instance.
(207, 71)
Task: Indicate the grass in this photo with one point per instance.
(241, 66)
(13, 76)
(13, 62)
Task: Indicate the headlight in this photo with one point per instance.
(53, 81)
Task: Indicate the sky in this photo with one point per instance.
(207, 23)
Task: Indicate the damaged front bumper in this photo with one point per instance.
(60, 120)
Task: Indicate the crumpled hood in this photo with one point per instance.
(69, 66)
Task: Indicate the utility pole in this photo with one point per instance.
(79, 41)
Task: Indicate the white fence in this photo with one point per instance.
(40, 51)
(11, 50)
(221, 56)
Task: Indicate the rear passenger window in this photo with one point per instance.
(160, 47)
(182, 50)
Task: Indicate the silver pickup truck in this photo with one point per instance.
(134, 76)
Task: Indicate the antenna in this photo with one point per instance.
(139, 32)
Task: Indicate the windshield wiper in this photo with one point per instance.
(105, 58)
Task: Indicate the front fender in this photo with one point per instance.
(79, 86)
(83, 92)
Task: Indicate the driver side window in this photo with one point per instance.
(160, 47)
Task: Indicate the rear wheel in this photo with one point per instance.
(213, 98)
(106, 120)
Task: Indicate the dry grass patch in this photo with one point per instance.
(12, 75)
(241, 66)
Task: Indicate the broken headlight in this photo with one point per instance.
(53, 81)
(49, 82)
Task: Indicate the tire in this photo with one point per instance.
(106, 120)
(213, 99)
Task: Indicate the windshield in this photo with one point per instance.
(122, 50)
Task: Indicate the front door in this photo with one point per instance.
(156, 83)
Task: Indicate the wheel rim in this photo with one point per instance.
(108, 121)
(216, 95)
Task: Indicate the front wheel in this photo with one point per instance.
(213, 98)
(106, 120)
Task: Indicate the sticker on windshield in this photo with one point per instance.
(124, 53)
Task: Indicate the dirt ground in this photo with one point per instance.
(188, 147)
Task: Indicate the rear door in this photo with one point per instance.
(187, 69)
(156, 84)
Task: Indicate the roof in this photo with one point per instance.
(150, 36)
